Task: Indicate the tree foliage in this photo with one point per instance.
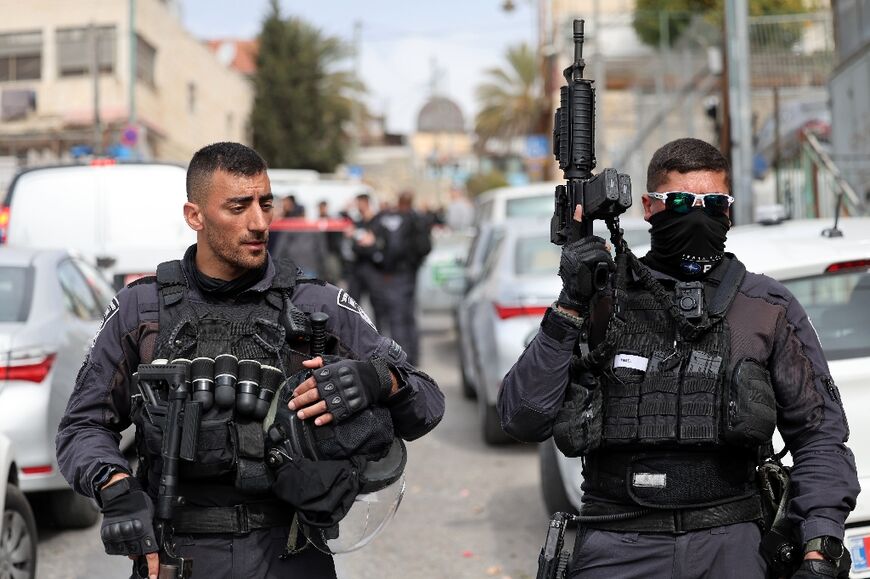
(511, 99)
(480, 182)
(303, 101)
(652, 18)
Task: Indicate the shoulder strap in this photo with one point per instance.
(286, 273)
(171, 282)
(724, 283)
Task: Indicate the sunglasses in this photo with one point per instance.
(682, 201)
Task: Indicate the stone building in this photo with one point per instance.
(60, 62)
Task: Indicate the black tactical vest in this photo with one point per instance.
(263, 326)
(675, 426)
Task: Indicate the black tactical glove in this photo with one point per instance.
(584, 262)
(127, 512)
(822, 569)
(348, 386)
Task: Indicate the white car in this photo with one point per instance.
(17, 525)
(517, 283)
(830, 276)
(51, 305)
(125, 218)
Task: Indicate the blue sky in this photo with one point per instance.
(399, 40)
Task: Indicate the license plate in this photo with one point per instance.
(859, 547)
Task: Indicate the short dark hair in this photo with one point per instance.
(363, 197)
(684, 156)
(234, 158)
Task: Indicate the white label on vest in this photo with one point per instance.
(630, 361)
(650, 480)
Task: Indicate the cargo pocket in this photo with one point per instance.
(215, 450)
(578, 424)
(751, 403)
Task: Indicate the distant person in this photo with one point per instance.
(290, 208)
(362, 253)
(460, 211)
(323, 210)
(403, 242)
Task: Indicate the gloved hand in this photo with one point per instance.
(127, 514)
(821, 569)
(577, 268)
(348, 386)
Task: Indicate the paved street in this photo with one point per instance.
(469, 510)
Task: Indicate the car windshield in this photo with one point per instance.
(536, 256)
(538, 206)
(839, 307)
(14, 294)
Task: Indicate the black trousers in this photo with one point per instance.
(255, 554)
(719, 553)
(394, 305)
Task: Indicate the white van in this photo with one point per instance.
(125, 218)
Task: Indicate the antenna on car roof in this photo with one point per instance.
(835, 231)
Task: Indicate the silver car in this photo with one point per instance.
(51, 304)
(17, 525)
(517, 283)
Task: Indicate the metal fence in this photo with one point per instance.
(676, 89)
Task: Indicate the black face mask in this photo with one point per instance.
(687, 246)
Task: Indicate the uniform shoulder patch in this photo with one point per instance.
(345, 301)
(110, 312)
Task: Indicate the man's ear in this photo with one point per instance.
(193, 216)
(647, 206)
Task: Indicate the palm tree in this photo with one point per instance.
(511, 99)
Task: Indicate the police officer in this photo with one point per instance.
(671, 426)
(403, 240)
(226, 296)
(364, 255)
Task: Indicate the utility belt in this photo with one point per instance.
(238, 519)
(594, 515)
(670, 479)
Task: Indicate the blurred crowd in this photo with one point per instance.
(374, 251)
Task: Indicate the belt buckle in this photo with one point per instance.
(242, 519)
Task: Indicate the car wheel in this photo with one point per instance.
(490, 423)
(552, 486)
(468, 390)
(67, 509)
(18, 539)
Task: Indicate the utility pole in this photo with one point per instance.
(357, 60)
(134, 46)
(95, 75)
(739, 108)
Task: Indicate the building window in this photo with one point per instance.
(145, 57)
(21, 56)
(76, 51)
(191, 97)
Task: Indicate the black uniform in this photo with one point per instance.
(403, 241)
(100, 407)
(675, 428)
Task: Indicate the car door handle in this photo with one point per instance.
(105, 261)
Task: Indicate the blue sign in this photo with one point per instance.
(537, 146)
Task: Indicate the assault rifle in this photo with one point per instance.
(604, 196)
(179, 420)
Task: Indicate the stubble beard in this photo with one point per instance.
(233, 253)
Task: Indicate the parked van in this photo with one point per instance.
(125, 218)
